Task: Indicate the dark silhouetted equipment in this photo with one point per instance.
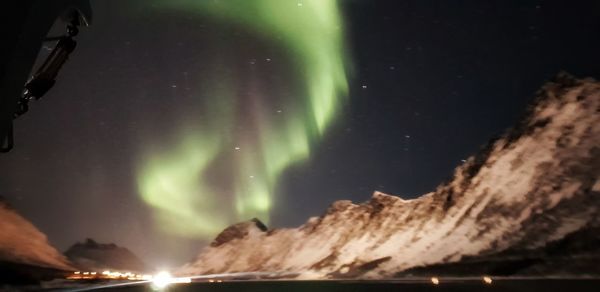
(45, 77)
(25, 26)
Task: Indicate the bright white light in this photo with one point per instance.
(162, 279)
(435, 280)
(487, 280)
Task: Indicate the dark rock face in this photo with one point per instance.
(528, 203)
(576, 254)
(92, 256)
(238, 231)
(24, 274)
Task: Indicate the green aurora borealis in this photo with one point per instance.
(176, 182)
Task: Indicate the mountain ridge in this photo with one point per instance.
(532, 186)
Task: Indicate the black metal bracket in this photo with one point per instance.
(45, 77)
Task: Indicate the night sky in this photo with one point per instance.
(239, 114)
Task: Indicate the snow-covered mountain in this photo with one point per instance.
(92, 256)
(528, 191)
(22, 243)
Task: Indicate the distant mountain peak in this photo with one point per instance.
(92, 244)
(93, 256)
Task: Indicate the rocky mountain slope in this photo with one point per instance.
(23, 243)
(25, 254)
(530, 191)
(93, 256)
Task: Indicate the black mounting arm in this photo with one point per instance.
(25, 26)
(45, 76)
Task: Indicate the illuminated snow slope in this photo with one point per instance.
(23, 243)
(535, 185)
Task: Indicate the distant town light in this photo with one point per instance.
(114, 275)
(435, 280)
